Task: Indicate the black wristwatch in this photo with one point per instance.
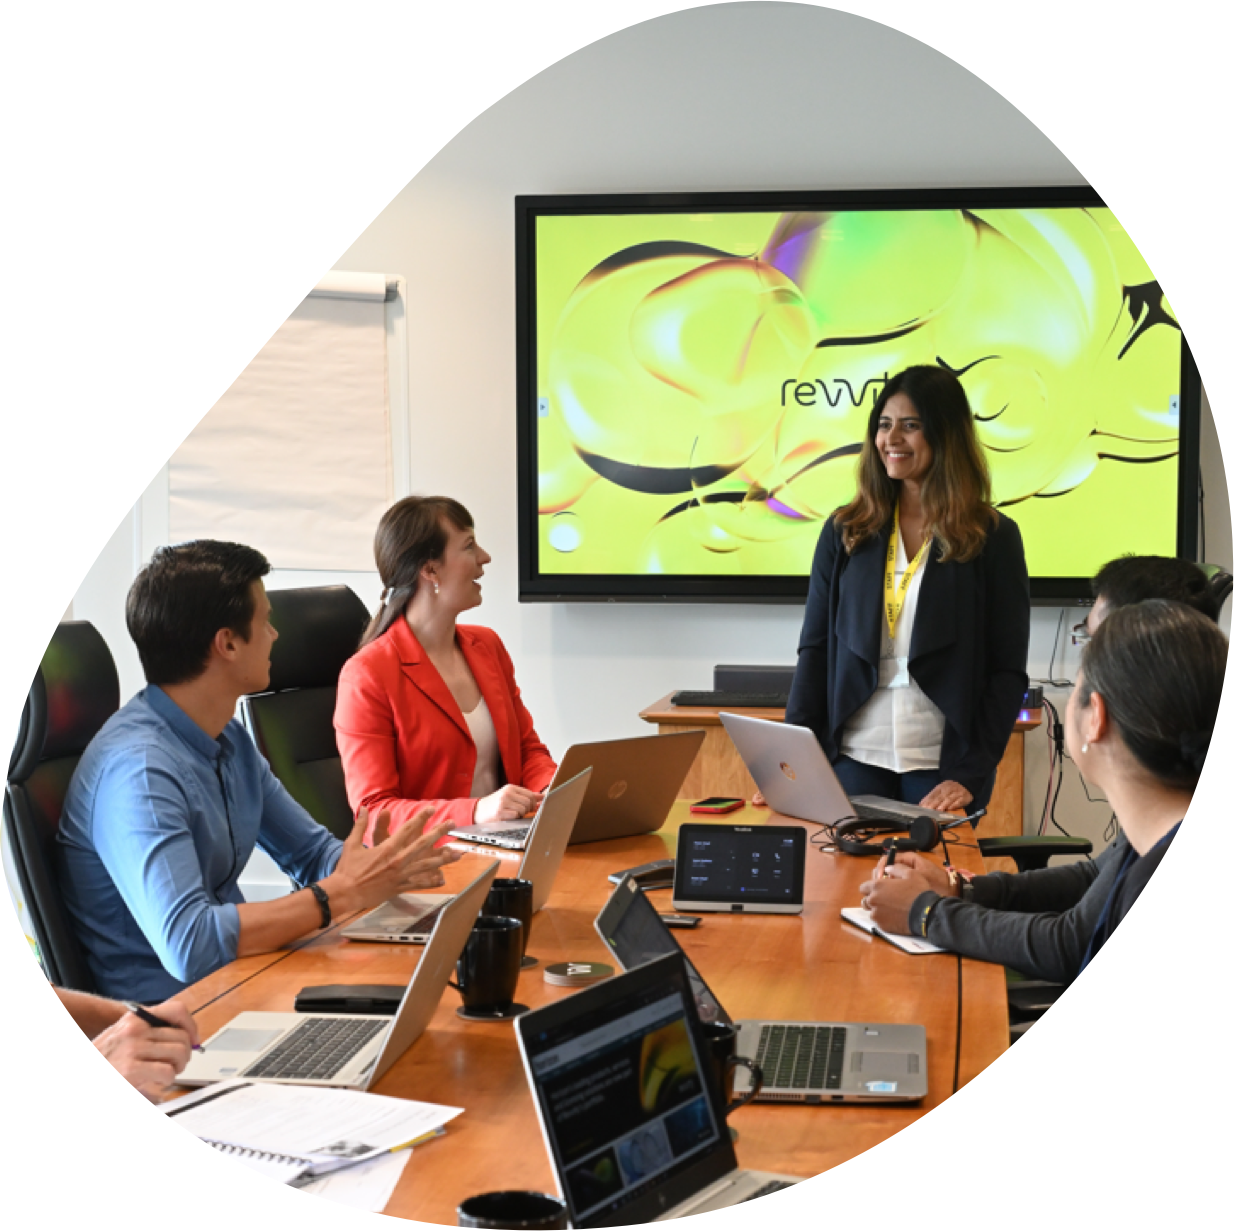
(323, 900)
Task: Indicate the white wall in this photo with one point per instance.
(740, 96)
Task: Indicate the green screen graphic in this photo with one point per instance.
(704, 380)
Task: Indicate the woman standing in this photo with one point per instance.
(428, 710)
(911, 663)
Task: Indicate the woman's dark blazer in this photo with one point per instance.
(968, 651)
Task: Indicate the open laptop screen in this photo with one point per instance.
(623, 1096)
(634, 933)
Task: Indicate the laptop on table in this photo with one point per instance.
(802, 1062)
(796, 779)
(633, 785)
(409, 918)
(631, 1116)
(334, 1049)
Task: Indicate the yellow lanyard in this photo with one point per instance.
(893, 595)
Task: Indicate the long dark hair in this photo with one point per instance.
(412, 533)
(1158, 666)
(955, 493)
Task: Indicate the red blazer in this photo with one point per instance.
(404, 740)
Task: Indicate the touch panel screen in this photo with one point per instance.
(741, 867)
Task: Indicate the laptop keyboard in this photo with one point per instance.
(872, 812)
(424, 925)
(318, 1049)
(802, 1057)
(507, 837)
(772, 1186)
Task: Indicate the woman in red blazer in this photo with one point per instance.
(428, 711)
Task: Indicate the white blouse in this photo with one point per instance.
(899, 727)
(484, 735)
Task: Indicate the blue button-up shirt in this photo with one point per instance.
(158, 824)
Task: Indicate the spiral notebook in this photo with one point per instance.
(287, 1132)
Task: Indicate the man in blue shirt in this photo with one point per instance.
(171, 797)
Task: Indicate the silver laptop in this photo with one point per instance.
(563, 797)
(409, 919)
(634, 782)
(802, 1062)
(335, 1049)
(630, 1113)
(796, 779)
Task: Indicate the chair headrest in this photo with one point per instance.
(319, 628)
(1220, 583)
(75, 691)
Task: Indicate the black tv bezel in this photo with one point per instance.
(535, 587)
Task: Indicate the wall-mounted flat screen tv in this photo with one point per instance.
(696, 374)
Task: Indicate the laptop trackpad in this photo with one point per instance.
(243, 1040)
(883, 1064)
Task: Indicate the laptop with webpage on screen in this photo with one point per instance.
(337, 1049)
(802, 1062)
(630, 1112)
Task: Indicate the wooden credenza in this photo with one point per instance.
(718, 770)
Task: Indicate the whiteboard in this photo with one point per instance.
(300, 457)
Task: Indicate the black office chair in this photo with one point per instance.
(1220, 583)
(1032, 851)
(1028, 999)
(75, 691)
(319, 628)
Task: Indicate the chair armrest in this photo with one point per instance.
(1031, 852)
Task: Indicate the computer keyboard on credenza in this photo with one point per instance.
(716, 699)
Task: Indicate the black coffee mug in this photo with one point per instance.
(511, 897)
(488, 967)
(523, 1211)
(722, 1045)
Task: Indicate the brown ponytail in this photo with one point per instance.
(411, 534)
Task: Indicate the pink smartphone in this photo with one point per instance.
(717, 805)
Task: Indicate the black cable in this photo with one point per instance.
(1203, 528)
(1062, 611)
(959, 1019)
(824, 837)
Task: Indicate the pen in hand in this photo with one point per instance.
(891, 858)
(152, 1019)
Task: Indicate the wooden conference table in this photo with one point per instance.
(808, 967)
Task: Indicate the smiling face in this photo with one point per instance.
(901, 441)
(459, 570)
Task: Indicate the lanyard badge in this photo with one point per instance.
(893, 595)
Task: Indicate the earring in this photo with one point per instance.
(1083, 747)
(436, 588)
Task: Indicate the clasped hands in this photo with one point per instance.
(891, 891)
